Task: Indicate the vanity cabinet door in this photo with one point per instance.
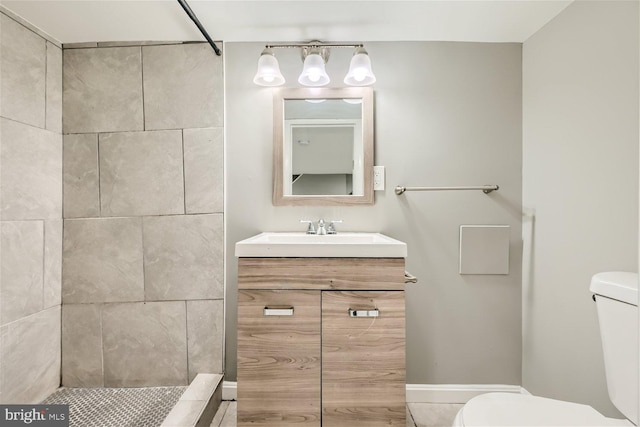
(278, 358)
(363, 359)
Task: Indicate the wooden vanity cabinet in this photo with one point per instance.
(318, 365)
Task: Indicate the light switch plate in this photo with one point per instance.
(378, 178)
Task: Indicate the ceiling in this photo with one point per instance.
(299, 20)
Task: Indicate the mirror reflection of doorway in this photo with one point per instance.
(322, 159)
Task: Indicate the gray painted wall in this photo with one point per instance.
(31, 208)
(446, 114)
(580, 196)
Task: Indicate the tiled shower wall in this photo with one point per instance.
(31, 212)
(142, 281)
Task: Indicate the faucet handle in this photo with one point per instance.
(331, 229)
(310, 229)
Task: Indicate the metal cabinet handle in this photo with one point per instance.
(278, 311)
(364, 313)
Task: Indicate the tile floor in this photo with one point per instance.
(433, 414)
(418, 414)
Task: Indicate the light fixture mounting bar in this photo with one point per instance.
(311, 45)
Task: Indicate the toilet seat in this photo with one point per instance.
(512, 409)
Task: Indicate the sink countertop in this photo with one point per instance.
(302, 245)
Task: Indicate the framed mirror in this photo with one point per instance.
(323, 146)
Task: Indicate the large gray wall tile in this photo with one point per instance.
(145, 344)
(102, 260)
(205, 335)
(54, 88)
(31, 176)
(183, 257)
(141, 173)
(203, 170)
(81, 181)
(29, 26)
(52, 291)
(21, 269)
(30, 353)
(22, 82)
(82, 346)
(183, 87)
(102, 90)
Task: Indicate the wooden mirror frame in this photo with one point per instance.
(279, 96)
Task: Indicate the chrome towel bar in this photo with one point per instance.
(486, 189)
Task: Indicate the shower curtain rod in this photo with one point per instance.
(194, 18)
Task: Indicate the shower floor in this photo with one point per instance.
(117, 407)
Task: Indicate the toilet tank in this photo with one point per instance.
(616, 296)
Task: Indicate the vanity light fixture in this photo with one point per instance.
(313, 72)
(314, 56)
(360, 73)
(268, 70)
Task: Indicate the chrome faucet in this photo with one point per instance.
(322, 228)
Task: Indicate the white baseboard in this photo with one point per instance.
(454, 393)
(229, 390)
(422, 393)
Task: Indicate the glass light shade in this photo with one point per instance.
(360, 73)
(268, 73)
(313, 72)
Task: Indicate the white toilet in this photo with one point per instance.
(616, 296)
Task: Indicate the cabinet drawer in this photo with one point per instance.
(278, 358)
(321, 273)
(363, 358)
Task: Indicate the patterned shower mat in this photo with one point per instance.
(117, 407)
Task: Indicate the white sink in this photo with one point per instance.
(302, 245)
